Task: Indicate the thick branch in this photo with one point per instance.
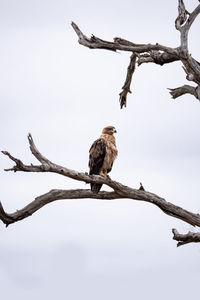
(49, 197)
(190, 237)
(157, 57)
(120, 191)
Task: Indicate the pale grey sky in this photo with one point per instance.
(64, 94)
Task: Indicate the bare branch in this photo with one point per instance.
(192, 17)
(49, 197)
(158, 54)
(5, 218)
(127, 84)
(20, 166)
(156, 57)
(192, 69)
(183, 23)
(118, 44)
(182, 15)
(36, 153)
(190, 237)
(185, 89)
(120, 191)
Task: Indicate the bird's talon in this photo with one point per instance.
(103, 175)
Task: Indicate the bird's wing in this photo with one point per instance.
(97, 155)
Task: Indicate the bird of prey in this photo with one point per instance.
(102, 154)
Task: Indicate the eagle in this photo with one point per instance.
(102, 154)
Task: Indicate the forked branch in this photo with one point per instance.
(120, 191)
(154, 53)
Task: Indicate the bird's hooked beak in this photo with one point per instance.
(114, 130)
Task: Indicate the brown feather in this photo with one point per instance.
(103, 152)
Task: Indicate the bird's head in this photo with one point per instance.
(109, 130)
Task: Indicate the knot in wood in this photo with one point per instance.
(45, 167)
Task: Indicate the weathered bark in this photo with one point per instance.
(127, 84)
(185, 89)
(49, 197)
(158, 54)
(120, 191)
(190, 237)
(157, 57)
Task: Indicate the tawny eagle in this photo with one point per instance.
(103, 152)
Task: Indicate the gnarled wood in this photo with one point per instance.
(185, 89)
(49, 197)
(158, 54)
(120, 191)
(190, 237)
(127, 84)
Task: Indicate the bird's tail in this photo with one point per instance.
(95, 187)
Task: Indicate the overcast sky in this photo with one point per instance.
(64, 94)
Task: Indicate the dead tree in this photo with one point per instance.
(140, 53)
(120, 191)
(157, 54)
